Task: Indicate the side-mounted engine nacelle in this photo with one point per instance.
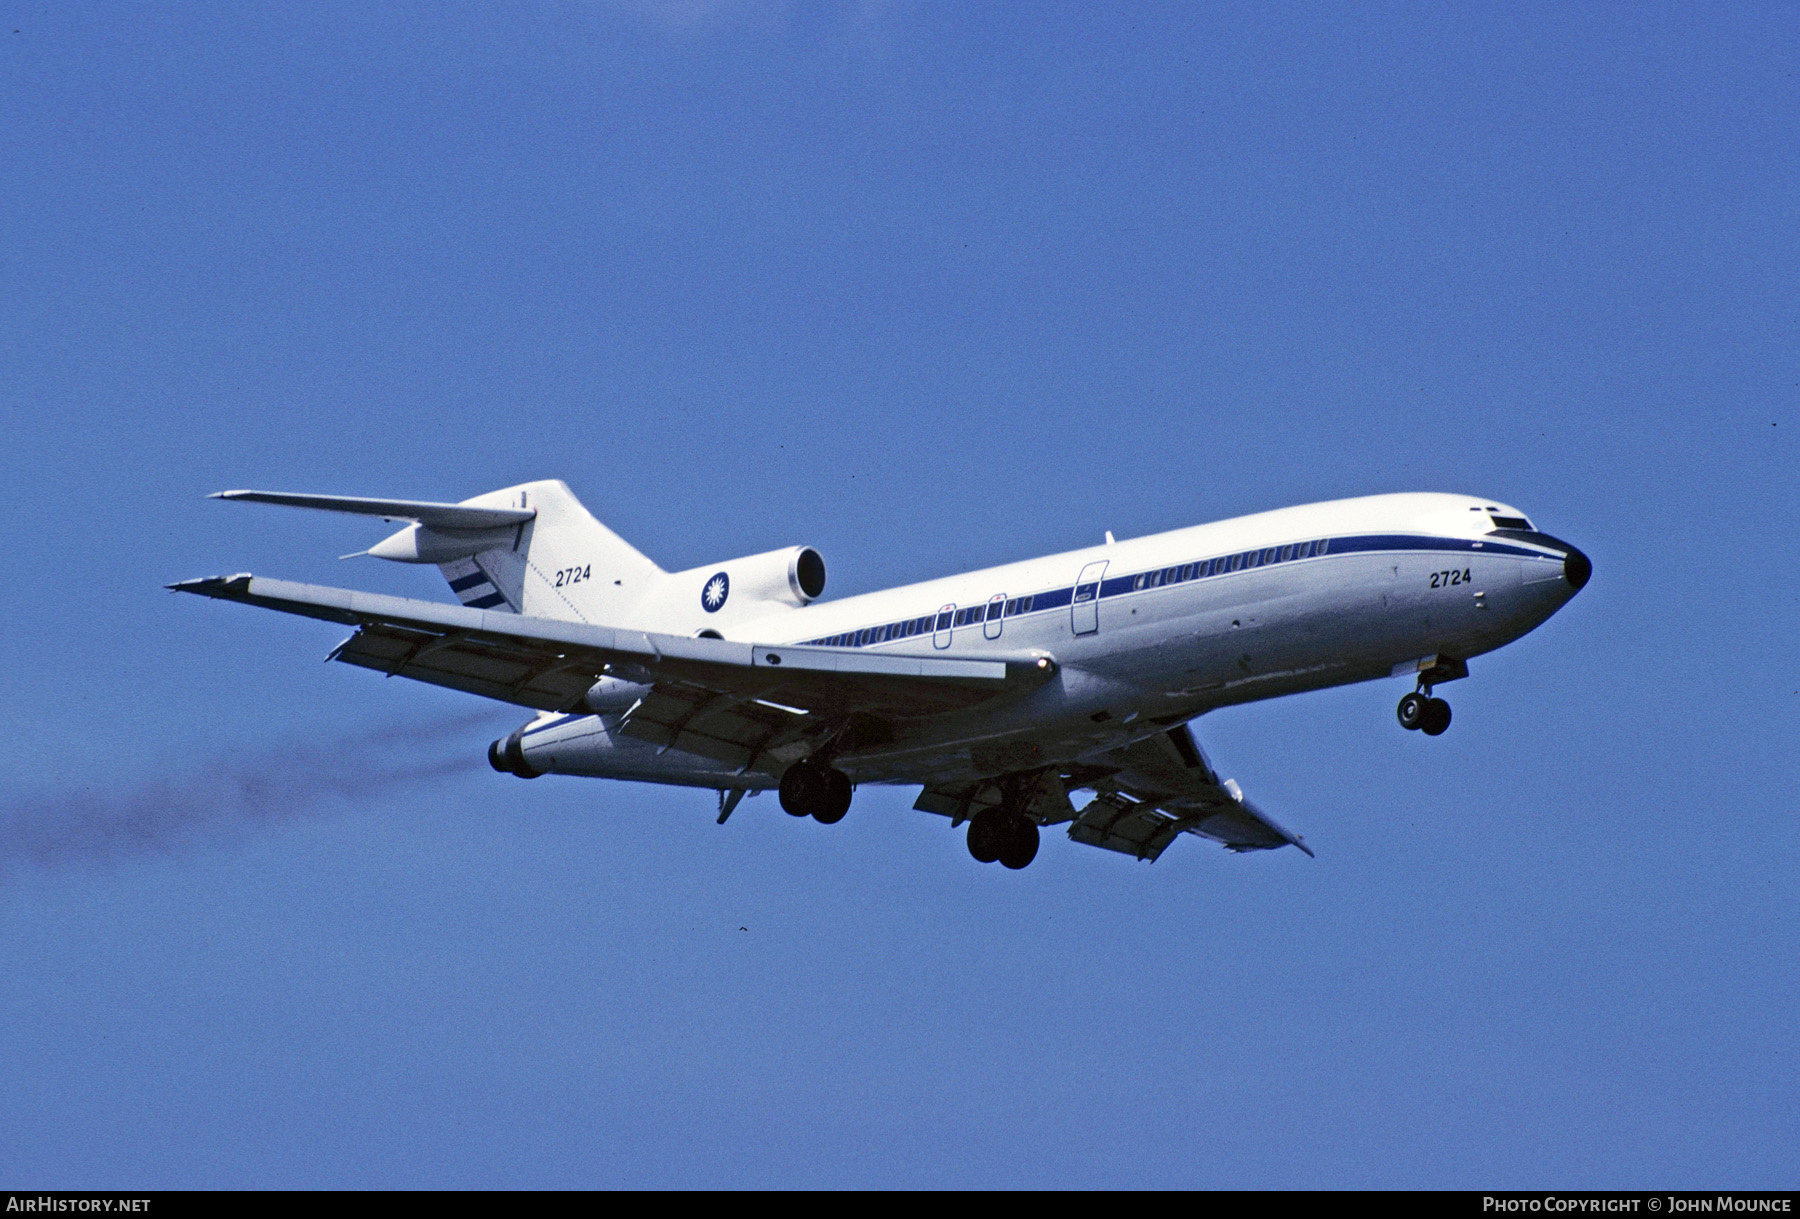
(609, 696)
(710, 597)
(794, 576)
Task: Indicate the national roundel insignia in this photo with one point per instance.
(712, 597)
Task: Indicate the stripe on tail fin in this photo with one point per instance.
(474, 587)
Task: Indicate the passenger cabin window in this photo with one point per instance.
(1000, 607)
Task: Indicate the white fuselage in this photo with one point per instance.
(1149, 632)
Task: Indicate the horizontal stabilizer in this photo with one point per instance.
(436, 516)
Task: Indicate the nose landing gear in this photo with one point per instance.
(1420, 711)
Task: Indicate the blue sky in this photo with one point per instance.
(928, 287)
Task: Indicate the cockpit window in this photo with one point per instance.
(1509, 522)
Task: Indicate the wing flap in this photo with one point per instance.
(729, 728)
(1161, 786)
(1131, 827)
(1041, 793)
(490, 669)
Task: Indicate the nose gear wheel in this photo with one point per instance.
(1425, 714)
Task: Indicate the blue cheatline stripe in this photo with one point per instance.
(1203, 569)
(1404, 541)
(487, 602)
(480, 577)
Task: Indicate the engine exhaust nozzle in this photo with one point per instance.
(507, 755)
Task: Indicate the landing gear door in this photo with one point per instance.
(1085, 608)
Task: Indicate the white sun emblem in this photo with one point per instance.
(714, 594)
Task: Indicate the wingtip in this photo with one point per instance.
(1301, 843)
(212, 586)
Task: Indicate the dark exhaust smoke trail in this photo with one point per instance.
(230, 793)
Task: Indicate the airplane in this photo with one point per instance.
(1001, 693)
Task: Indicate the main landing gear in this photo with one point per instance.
(1419, 710)
(1005, 835)
(812, 789)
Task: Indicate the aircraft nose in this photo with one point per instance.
(1578, 569)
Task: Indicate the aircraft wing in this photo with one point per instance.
(1148, 793)
(1162, 786)
(721, 698)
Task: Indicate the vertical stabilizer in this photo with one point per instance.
(562, 563)
(530, 549)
